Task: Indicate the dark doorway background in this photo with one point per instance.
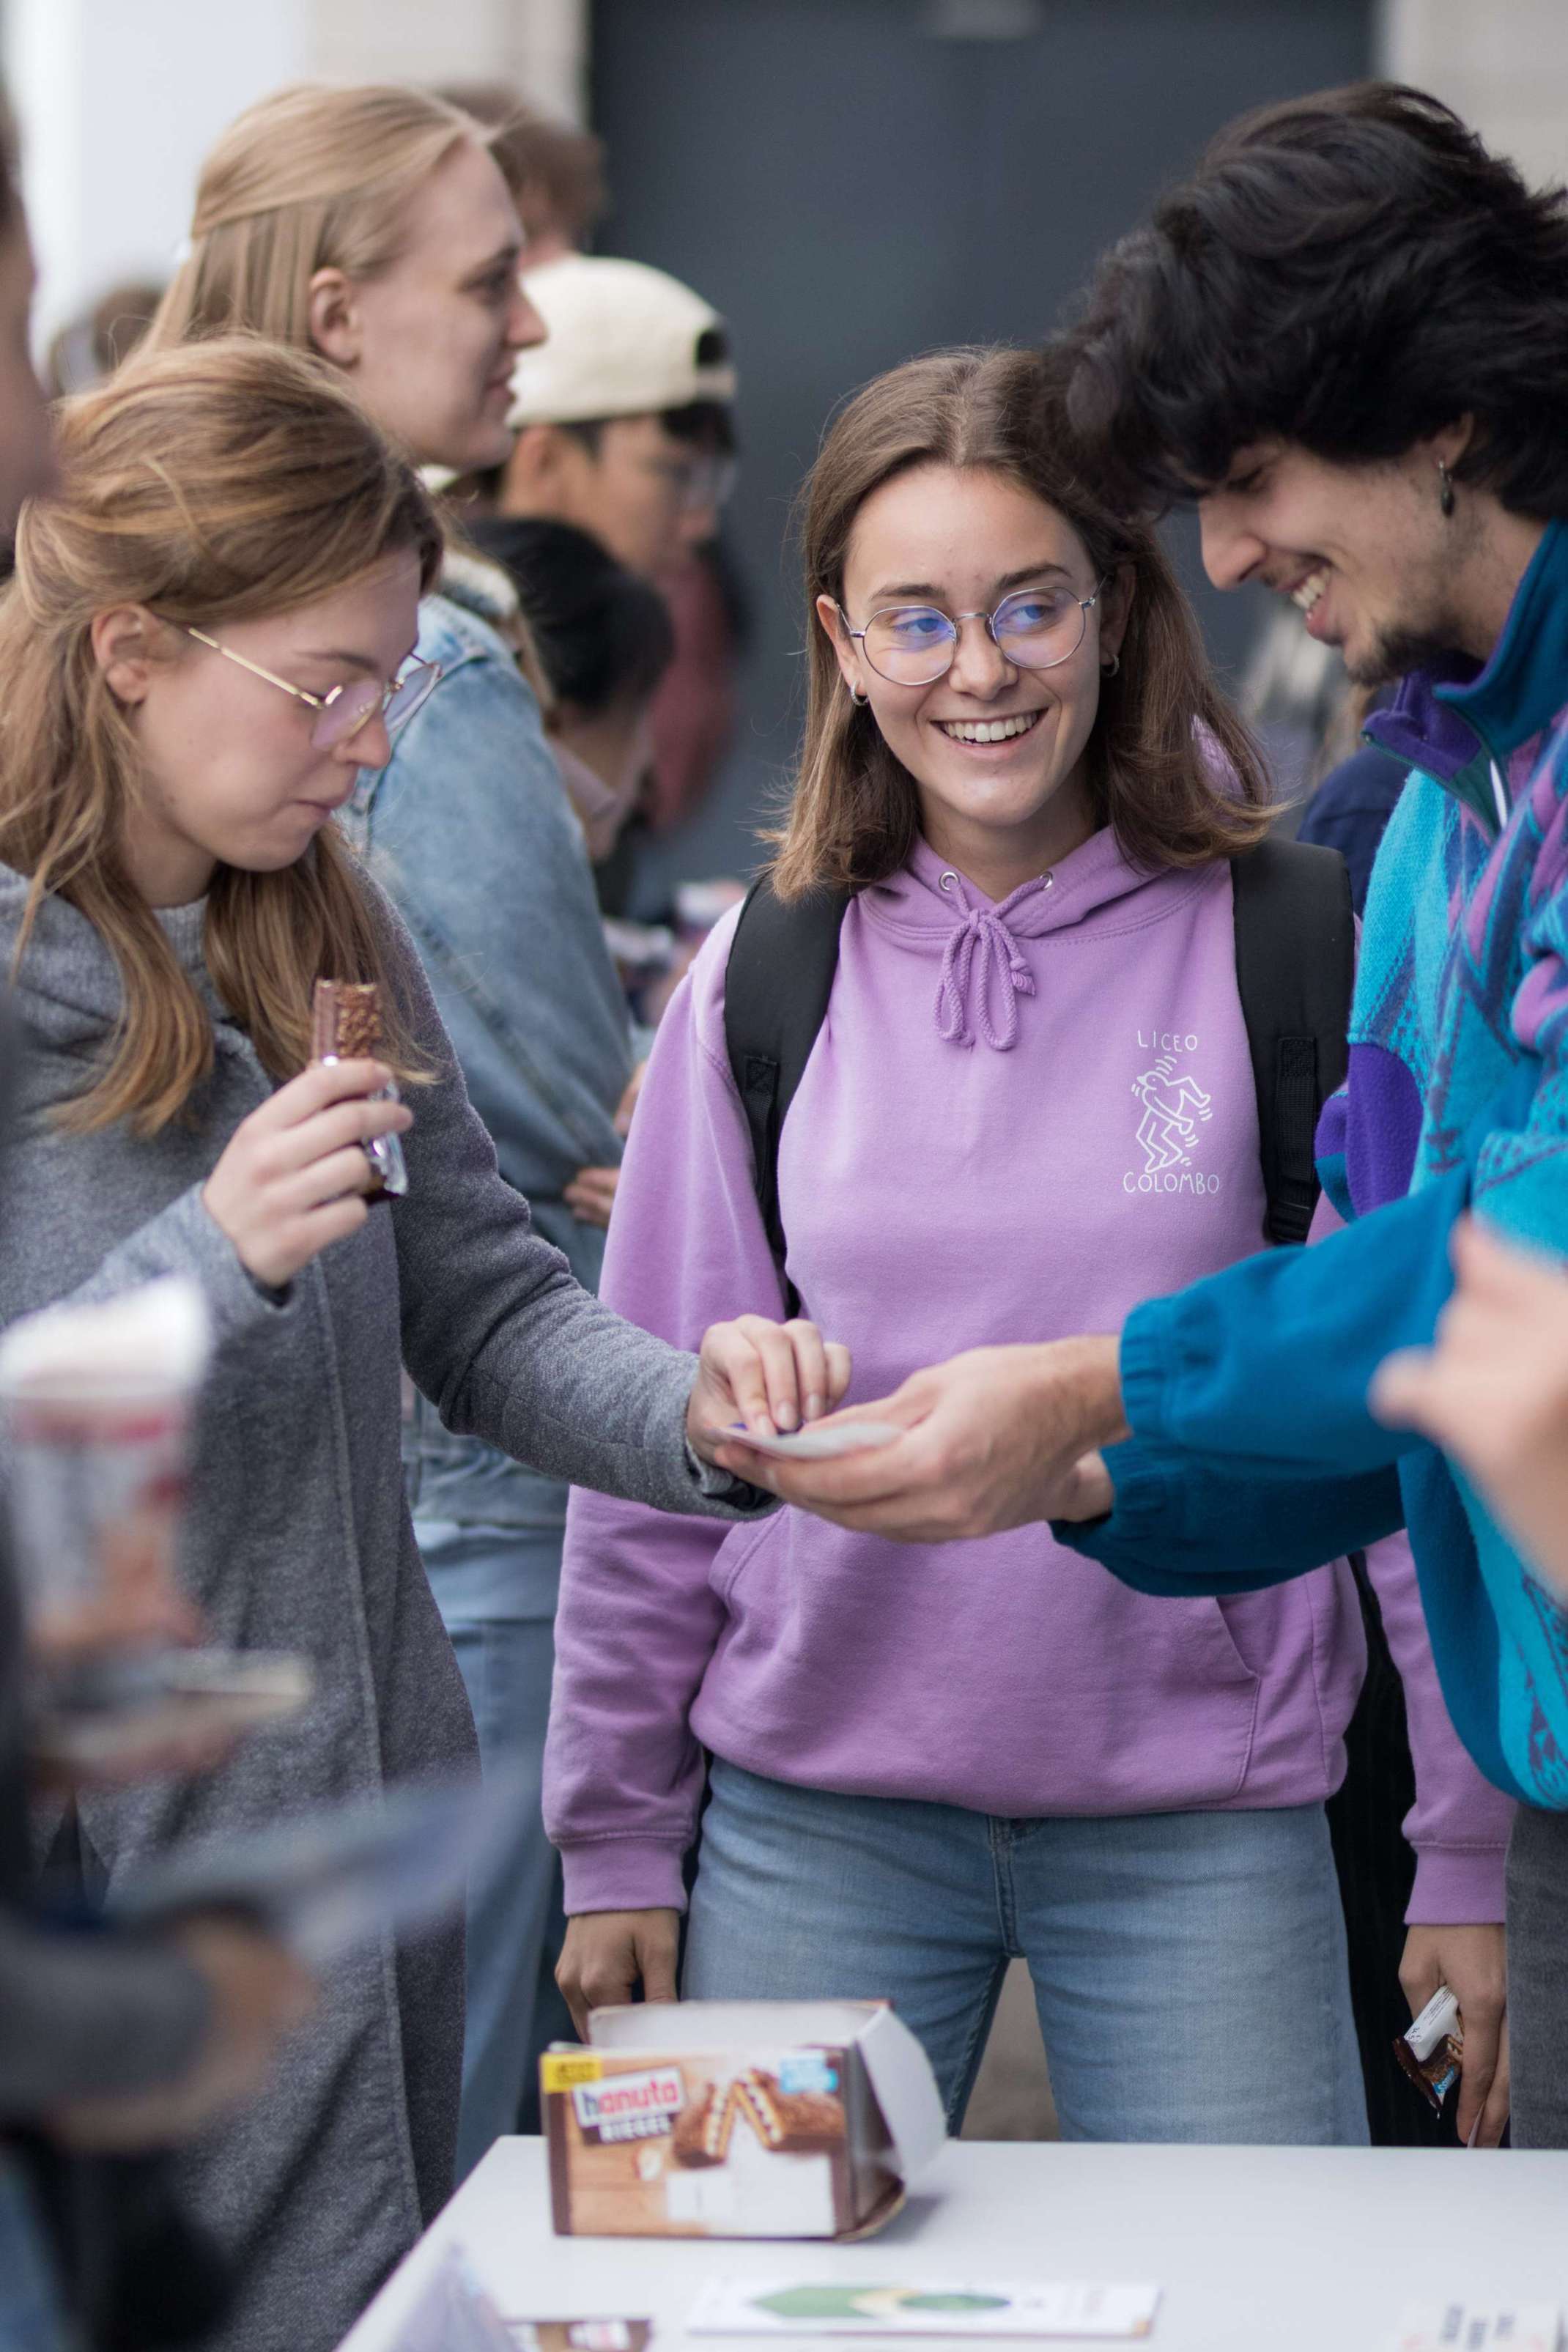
(849, 183)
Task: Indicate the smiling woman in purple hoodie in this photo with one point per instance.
(1030, 1106)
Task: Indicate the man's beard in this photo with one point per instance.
(1395, 653)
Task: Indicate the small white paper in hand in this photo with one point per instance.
(815, 1443)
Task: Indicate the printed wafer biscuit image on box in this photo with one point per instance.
(738, 2120)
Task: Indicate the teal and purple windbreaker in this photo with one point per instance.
(1247, 1393)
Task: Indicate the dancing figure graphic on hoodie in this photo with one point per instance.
(1168, 1130)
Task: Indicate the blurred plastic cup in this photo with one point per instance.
(97, 1403)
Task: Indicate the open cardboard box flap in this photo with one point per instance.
(898, 2068)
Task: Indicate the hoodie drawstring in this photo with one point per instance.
(983, 960)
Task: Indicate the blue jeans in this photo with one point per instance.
(1189, 1969)
(30, 2315)
(515, 1922)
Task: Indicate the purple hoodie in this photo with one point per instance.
(1018, 1122)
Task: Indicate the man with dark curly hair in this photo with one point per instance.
(1345, 340)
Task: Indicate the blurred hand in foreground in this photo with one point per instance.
(1493, 1391)
(258, 1994)
(992, 1439)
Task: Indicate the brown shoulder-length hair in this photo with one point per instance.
(224, 482)
(1171, 767)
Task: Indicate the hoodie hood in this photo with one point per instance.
(68, 992)
(977, 942)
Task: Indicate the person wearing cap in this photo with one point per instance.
(625, 430)
(623, 412)
(555, 171)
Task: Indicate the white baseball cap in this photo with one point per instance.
(623, 341)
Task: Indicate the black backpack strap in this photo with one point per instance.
(780, 976)
(1295, 969)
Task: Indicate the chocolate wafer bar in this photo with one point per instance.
(345, 1020)
(788, 2122)
(346, 1026)
(703, 2133)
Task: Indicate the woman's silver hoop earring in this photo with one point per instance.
(1111, 668)
(859, 700)
(1445, 489)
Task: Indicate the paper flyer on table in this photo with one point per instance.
(1455, 2327)
(736, 2306)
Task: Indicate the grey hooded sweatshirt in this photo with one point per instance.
(298, 1539)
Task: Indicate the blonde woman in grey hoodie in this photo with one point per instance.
(207, 637)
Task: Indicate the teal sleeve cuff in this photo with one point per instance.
(1182, 1526)
(1267, 1364)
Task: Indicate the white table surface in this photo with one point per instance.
(1257, 2249)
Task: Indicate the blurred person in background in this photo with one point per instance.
(172, 889)
(622, 411)
(555, 172)
(372, 228)
(556, 177)
(603, 637)
(100, 338)
(604, 642)
(627, 430)
(1351, 806)
(1312, 720)
(116, 2042)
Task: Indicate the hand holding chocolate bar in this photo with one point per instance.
(296, 1175)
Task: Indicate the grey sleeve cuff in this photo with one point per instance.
(183, 1238)
(723, 1486)
(87, 2015)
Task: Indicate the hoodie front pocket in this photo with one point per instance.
(738, 1550)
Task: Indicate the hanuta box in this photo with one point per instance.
(738, 2120)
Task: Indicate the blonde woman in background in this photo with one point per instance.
(371, 227)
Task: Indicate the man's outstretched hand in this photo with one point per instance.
(992, 1439)
(1493, 1391)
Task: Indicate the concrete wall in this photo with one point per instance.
(542, 44)
(119, 101)
(1502, 64)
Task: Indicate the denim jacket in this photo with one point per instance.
(469, 831)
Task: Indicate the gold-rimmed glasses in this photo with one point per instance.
(914, 644)
(346, 709)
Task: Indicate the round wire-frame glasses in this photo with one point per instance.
(914, 644)
(347, 709)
